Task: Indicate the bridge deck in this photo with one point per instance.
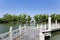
(32, 34)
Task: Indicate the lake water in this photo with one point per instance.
(5, 28)
(55, 36)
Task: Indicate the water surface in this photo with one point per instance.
(55, 36)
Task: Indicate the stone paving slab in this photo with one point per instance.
(31, 34)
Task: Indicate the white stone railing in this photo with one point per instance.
(55, 26)
(12, 34)
(45, 27)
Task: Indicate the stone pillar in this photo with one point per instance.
(37, 25)
(41, 36)
(49, 23)
(41, 28)
(56, 23)
(11, 35)
(45, 27)
(19, 29)
(25, 27)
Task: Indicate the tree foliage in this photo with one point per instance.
(23, 18)
(41, 18)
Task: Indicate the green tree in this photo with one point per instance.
(14, 18)
(7, 18)
(58, 17)
(41, 18)
(53, 18)
(36, 18)
(10, 18)
(23, 18)
(28, 19)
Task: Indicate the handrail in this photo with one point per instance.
(15, 30)
(8, 33)
(23, 29)
(4, 34)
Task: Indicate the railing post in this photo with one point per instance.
(41, 35)
(49, 23)
(19, 29)
(2, 37)
(56, 22)
(37, 25)
(11, 35)
(45, 27)
(25, 27)
(41, 28)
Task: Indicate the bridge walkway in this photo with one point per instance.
(31, 34)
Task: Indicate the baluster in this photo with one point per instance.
(19, 29)
(45, 27)
(37, 25)
(41, 28)
(25, 27)
(2, 37)
(41, 35)
(11, 35)
(49, 23)
(56, 23)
